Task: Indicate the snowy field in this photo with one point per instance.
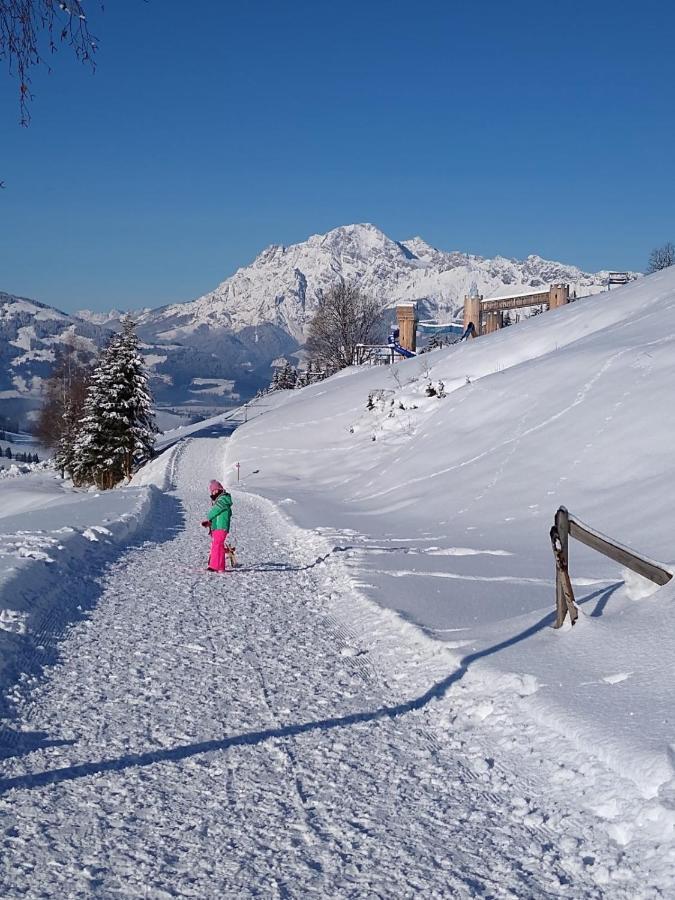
(271, 733)
(18, 443)
(443, 507)
(374, 704)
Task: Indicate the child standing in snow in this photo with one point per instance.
(218, 523)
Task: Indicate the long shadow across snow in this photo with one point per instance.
(253, 738)
(271, 566)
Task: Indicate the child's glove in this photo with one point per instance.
(205, 523)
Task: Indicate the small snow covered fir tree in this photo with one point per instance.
(117, 430)
(290, 377)
(284, 379)
(436, 342)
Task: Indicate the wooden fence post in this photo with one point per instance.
(565, 527)
(564, 595)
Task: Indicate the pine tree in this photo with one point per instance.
(117, 429)
(285, 378)
(435, 343)
(141, 431)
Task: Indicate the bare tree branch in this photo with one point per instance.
(31, 29)
(661, 258)
(345, 317)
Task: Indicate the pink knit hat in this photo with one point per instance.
(215, 486)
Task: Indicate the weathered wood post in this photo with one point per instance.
(493, 322)
(564, 595)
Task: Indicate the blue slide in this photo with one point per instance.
(392, 341)
(402, 350)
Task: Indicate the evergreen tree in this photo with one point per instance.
(117, 430)
(274, 384)
(436, 342)
(285, 378)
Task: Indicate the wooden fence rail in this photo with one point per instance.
(566, 526)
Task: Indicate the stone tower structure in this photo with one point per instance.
(406, 314)
(472, 311)
(559, 295)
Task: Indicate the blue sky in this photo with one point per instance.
(213, 129)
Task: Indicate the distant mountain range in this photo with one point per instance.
(212, 373)
(206, 353)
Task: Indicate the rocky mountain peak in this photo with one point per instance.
(284, 283)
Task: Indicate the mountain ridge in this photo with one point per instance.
(283, 284)
(220, 347)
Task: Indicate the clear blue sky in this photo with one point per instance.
(212, 129)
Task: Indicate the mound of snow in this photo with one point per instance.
(53, 540)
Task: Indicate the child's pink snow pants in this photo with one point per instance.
(217, 555)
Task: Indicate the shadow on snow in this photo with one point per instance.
(253, 738)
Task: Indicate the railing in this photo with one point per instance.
(382, 354)
(566, 526)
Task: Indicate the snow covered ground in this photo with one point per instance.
(270, 732)
(374, 703)
(444, 506)
(53, 540)
(18, 443)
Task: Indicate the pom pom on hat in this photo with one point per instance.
(215, 486)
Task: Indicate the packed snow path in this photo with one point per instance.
(269, 733)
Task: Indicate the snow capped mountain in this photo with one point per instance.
(100, 318)
(200, 379)
(206, 353)
(282, 285)
(31, 333)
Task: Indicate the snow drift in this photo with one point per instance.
(53, 542)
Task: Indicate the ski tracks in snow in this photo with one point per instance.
(268, 733)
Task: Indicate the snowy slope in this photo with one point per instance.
(268, 733)
(282, 285)
(446, 504)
